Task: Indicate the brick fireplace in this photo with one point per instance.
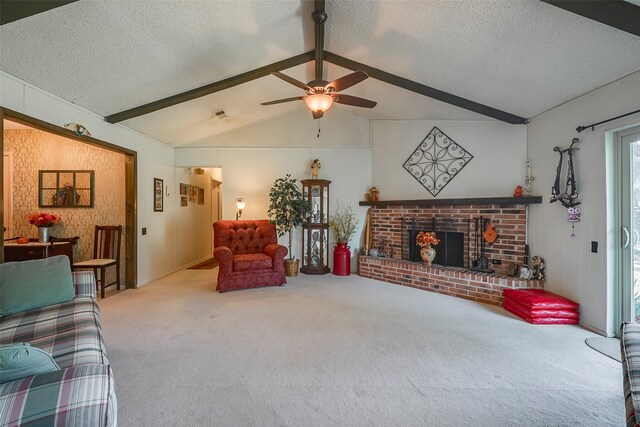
(393, 223)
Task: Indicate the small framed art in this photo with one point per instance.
(158, 201)
(183, 189)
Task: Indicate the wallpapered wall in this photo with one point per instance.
(34, 150)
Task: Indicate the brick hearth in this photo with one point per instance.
(387, 233)
(459, 282)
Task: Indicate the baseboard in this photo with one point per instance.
(595, 330)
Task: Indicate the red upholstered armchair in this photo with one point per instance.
(249, 255)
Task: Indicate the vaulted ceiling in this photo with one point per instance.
(521, 57)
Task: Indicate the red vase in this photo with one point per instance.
(341, 260)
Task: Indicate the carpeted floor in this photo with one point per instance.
(330, 351)
(208, 264)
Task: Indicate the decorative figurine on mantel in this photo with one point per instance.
(518, 191)
(315, 167)
(373, 194)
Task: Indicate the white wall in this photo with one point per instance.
(250, 173)
(498, 164)
(572, 270)
(193, 225)
(155, 160)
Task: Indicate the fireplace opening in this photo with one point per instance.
(449, 252)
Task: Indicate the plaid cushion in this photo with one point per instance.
(70, 332)
(85, 283)
(76, 396)
(630, 349)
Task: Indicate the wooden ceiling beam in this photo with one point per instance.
(11, 11)
(210, 88)
(424, 90)
(618, 14)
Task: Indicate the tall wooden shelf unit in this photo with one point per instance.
(315, 233)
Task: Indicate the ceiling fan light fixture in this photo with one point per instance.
(319, 102)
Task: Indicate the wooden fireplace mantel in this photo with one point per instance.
(502, 201)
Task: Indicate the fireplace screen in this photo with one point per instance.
(453, 233)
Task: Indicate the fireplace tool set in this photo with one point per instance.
(484, 233)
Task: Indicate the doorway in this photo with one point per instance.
(130, 167)
(628, 201)
(7, 176)
(216, 205)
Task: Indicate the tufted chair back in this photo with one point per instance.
(244, 237)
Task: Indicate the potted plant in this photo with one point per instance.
(287, 211)
(343, 223)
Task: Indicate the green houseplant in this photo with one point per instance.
(287, 211)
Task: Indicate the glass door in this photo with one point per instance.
(629, 197)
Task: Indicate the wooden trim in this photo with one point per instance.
(621, 15)
(131, 221)
(2, 184)
(503, 201)
(425, 90)
(15, 116)
(131, 161)
(210, 88)
(11, 11)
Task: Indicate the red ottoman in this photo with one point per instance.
(540, 307)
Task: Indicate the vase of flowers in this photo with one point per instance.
(343, 223)
(43, 221)
(427, 239)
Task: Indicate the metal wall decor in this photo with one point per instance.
(436, 161)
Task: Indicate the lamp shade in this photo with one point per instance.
(240, 204)
(319, 102)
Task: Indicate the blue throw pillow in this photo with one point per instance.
(19, 360)
(27, 285)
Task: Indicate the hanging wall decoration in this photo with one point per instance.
(436, 161)
(568, 196)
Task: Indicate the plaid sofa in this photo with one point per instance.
(81, 393)
(630, 350)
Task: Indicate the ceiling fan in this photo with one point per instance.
(321, 94)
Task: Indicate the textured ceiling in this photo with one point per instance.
(522, 57)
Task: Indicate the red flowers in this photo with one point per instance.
(43, 219)
(426, 238)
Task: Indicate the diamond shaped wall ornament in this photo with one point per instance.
(436, 161)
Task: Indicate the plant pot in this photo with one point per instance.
(341, 260)
(43, 234)
(428, 254)
(291, 267)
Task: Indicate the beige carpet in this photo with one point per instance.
(330, 351)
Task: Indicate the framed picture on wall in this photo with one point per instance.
(200, 196)
(193, 193)
(183, 201)
(158, 201)
(183, 189)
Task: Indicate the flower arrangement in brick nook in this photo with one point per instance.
(43, 219)
(426, 238)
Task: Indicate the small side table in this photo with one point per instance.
(36, 250)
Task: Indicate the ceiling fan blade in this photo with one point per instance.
(291, 80)
(347, 81)
(280, 101)
(317, 114)
(354, 100)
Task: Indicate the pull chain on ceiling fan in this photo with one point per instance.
(321, 94)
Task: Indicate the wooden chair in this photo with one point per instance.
(106, 253)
